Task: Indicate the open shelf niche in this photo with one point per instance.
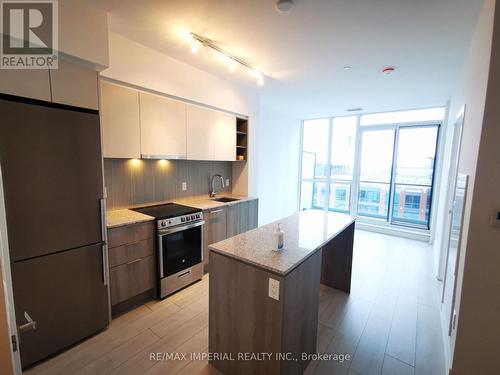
(241, 139)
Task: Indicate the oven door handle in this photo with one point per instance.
(160, 256)
(163, 232)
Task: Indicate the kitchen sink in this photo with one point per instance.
(225, 199)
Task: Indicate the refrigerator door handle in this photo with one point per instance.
(105, 268)
(104, 232)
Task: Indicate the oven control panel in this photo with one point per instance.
(180, 220)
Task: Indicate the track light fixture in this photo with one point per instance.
(232, 61)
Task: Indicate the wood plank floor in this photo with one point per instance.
(389, 324)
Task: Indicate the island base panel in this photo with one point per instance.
(336, 265)
(244, 319)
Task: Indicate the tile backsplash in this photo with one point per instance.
(134, 182)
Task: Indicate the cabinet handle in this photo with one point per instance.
(133, 243)
(216, 211)
(134, 261)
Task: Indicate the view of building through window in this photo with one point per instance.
(379, 171)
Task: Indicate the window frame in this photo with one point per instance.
(328, 180)
(355, 182)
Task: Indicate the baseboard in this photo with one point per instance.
(132, 303)
(400, 232)
(446, 341)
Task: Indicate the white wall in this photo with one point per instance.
(138, 65)
(279, 144)
(477, 346)
(475, 342)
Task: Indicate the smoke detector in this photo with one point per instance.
(284, 5)
(388, 70)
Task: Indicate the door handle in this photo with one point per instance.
(216, 211)
(27, 326)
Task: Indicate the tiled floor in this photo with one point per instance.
(389, 324)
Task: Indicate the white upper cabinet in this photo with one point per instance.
(28, 83)
(139, 124)
(71, 83)
(224, 136)
(163, 127)
(200, 133)
(75, 84)
(120, 122)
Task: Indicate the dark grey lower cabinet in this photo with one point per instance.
(132, 265)
(228, 221)
(130, 279)
(214, 230)
(242, 217)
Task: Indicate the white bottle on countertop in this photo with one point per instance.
(280, 240)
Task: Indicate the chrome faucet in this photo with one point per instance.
(213, 193)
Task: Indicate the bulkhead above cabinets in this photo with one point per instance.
(139, 124)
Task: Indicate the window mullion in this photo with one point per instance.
(329, 164)
(299, 180)
(392, 186)
(356, 169)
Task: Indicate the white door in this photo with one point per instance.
(453, 223)
(120, 122)
(224, 136)
(163, 127)
(200, 133)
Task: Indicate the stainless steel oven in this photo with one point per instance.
(179, 245)
(180, 256)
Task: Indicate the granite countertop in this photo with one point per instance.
(208, 204)
(305, 233)
(118, 218)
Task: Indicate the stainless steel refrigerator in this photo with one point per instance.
(53, 186)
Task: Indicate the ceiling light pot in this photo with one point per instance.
(284, 5)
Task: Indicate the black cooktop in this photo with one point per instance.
(166, 211)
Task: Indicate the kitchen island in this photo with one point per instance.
(263, 304)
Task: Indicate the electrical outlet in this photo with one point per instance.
(227, 181)
(274, 289)
(184, 186)
(495, 217)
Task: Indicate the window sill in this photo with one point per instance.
(411, 233)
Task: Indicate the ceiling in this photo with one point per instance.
(305, 50)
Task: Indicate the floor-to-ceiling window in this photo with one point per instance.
(379, 167)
